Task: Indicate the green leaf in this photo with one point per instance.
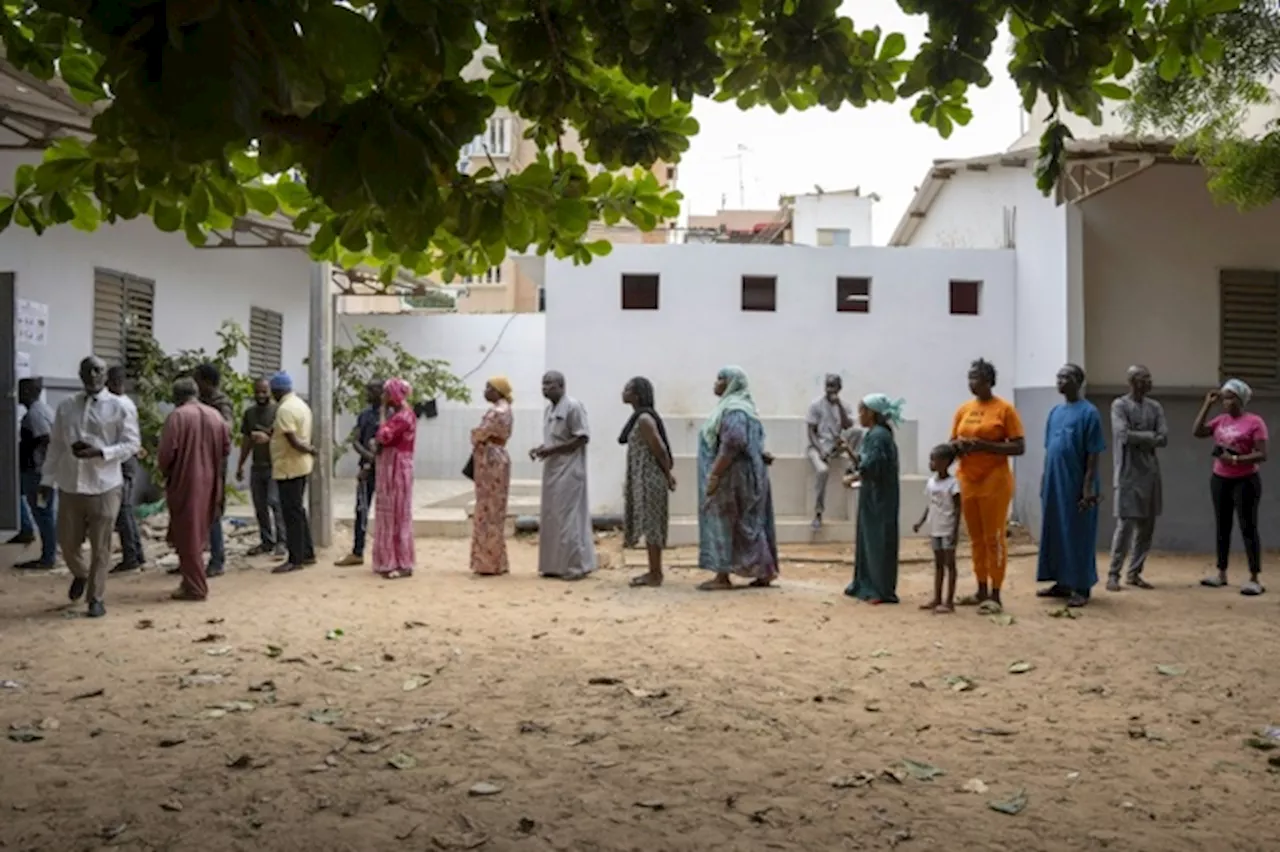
(1170, 63)
(348, 45)
(895, 44)
(571, 215)
(660, 101)
(198, 203)
(78, 70)
(1114, 91)
(600, 248)
(245, 165)
(261, 200)
(168, 218)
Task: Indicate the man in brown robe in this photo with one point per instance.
(194, 447)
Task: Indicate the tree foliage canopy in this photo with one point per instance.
(348, 117)
(1205, 107)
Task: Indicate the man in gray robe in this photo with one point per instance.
(1138, 429)
(566, 546)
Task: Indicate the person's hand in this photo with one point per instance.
(1088, 501)
(713, 484)
(240, 474)
(537, 453)
(362, 474)
(671, 481)
(142, 453)
(915, 528)
(849, 479)
(45, 493)
(84, 451)
(1212, 397)
(259, 437)
(767, 456)
(964, 446)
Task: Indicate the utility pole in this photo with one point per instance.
(320, 392)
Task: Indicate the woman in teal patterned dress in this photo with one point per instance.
(875, 564)
(736, 533)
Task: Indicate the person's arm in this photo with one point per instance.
(246, 445)
(576, 421)
(1150, 440)
(390, 430)
(649, 432)
(875, 455)
(288, 425)
(813, 440)
(1119, 425)
(168, 451)
(1014, 443)
(130, 438)
(924, 516)
(1259, 452)
(363, 451)
(1203, 427)
(733, 443)
(1094, 446)
(846, 422)
(57, 449)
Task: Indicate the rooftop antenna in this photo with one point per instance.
(742, 187)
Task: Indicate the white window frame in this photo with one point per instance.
(495, 141)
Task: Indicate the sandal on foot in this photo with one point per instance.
(971, 600)
(645, 580)
(1213, 582)
(1113, 585)
(715, 586)
(1139, 583)
(1076, 601)
(990, 607)
(1252, 588)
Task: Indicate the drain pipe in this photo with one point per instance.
(599, 523)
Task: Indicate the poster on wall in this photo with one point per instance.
(33, 322)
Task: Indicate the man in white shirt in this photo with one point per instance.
(93, 433)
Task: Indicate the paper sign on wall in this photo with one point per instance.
(33, 322)
(22, 365)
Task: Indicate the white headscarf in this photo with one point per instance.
(1241, 390)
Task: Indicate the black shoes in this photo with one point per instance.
(76, 592)
(97, 609)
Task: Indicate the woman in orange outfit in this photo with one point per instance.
(985, 433)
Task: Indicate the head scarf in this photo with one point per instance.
(887, 407)
(643, 390)
(281, 382)
(396, 391)
(1242, 391)
(737, 397)
(503, 386)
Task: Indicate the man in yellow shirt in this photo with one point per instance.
(292, 458)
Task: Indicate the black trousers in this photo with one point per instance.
(1237, 497)
(297, 528)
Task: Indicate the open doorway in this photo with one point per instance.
(8, 404)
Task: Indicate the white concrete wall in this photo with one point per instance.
(476, 346)
(979, 209)
(831, 210)
(196, 289)
(1153, 247)
(908, 345)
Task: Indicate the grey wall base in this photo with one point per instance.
(1187, 523)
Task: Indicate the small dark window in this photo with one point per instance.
(966, 297)
(853, 295)
(671, 174)
(639, 292)
(759, 293)
(542, 300)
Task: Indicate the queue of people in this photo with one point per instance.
(77, 485)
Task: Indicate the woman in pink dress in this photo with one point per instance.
(393, 506)
(493, 480)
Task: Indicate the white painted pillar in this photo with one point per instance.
(320, 381)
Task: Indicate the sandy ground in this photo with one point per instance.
(606, 718)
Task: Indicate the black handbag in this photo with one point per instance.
(469, 469)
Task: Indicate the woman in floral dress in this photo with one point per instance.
(493, 480)
(649, 478)
(393, 502)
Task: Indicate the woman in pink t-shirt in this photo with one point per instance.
(1239, 447)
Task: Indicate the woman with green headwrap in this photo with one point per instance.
(736, 532)
(875, 562)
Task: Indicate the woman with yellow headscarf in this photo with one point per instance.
(492, 474)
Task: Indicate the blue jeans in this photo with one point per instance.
(44, 519)
(217, 547)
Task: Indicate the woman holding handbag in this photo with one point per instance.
(490, 468)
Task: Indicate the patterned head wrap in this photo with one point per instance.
(1241, 390)
(397, 391)
(887, 407)
(503, 386)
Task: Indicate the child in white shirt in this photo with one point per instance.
(943, 514)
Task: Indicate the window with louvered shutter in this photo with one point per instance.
(1250, 326)
(123, 317)
(266, 341)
